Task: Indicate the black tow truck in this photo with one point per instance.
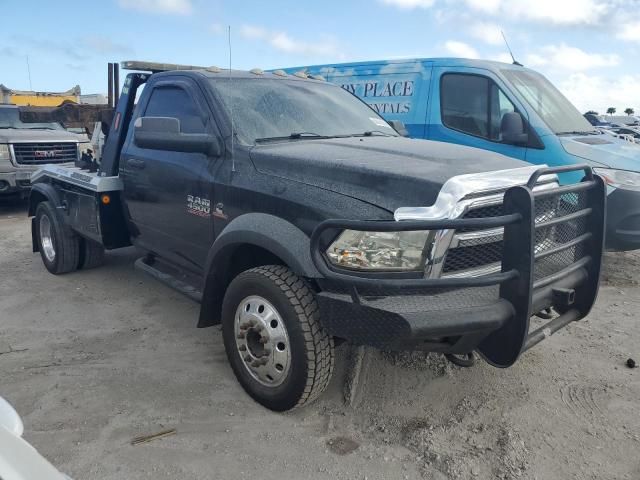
(298, 217)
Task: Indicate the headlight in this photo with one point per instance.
(5, 155)
(622, 179)
(359, 250)
(84, 147)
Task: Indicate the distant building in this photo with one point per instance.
(93, 99)
(39, 99)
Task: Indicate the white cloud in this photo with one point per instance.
(488, 6)
(561, 12)
(409, 4)
(630, 32)
(487, 32)
(282, 41)
(461, 49)
(598, 92)
(179, 7)
(100, 44)
(565, 57)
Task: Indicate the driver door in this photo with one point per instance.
(169, 193)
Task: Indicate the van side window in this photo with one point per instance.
(473, 104)
(177, 103)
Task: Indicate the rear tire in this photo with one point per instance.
(59, 246)
(91, 254)
(275, 343)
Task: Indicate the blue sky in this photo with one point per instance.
(589, 48)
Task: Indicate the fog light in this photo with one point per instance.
(4, 185)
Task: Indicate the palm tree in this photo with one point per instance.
(611, 110)
(629, 111)
(591, 112)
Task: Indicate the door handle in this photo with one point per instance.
(135, 163)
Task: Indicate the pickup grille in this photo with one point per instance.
(476, 252)
(44, 153)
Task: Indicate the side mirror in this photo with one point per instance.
(512, 129)
(164, 133)
(399, 127)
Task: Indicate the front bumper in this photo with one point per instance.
(17, 181)
(623, 220)
(489, 313)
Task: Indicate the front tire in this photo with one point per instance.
(59, 246)
(275, 343)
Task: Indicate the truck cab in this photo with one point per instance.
(298, 217)
(503, 108)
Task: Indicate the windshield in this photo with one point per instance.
(553, 107)
(264, 109)
(10, 118)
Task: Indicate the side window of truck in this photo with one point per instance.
(177, 103)
(473, 104)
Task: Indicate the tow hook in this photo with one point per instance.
(463, 360)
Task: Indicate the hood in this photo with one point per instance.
(389, 172)
(604, 150)
(17, 135)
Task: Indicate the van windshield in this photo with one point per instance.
(555, 110)
(273, 109)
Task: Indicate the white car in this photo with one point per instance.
(18, 459)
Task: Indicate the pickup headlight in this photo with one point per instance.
(5, 154)
(84, 147)
(390, 251)
(622, 179)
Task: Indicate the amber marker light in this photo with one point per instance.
(106, 199)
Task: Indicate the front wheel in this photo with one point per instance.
(275, 343)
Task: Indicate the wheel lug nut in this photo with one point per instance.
(264, 340)
(256, 363)
(247, 358)
(242, 348)
(241, 335)
(264, 360)
(259, 327)
(267, 352)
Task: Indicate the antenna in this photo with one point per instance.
(515, 62)
(29, 72)
(233, 133)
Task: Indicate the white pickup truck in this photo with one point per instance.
(24, 147)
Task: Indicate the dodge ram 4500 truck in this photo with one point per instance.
(297, 216)
(26, 146)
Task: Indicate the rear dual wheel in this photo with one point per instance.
(275, 343)
(62, 250)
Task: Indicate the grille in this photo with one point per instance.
(486, 250)
(43, 153)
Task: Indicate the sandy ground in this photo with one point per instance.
(93, 359)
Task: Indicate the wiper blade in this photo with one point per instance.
(371, 133)
(297, 136)
(589, 132)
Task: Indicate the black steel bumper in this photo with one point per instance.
(490, 313)
(623, 220)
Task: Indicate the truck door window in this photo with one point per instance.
(177, 103)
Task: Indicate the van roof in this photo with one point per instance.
(437, 62)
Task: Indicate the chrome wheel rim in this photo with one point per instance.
(46, 240)
(262, 341)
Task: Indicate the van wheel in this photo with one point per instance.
(59, 246)
(91, 254)
(276, 346)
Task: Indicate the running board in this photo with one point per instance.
(163, 273)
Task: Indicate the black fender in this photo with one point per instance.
(40, 192)
(278, 236)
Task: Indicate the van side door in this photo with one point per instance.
(168, 194)
(467, 108)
